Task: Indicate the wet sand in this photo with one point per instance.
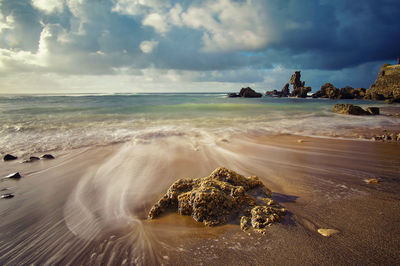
(89, 206)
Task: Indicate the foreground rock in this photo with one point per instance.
(387, 85)
(221, 197)
(349, 109)
(9, 157)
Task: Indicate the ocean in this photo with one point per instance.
(32, 124)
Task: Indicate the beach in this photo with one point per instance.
(89, 205)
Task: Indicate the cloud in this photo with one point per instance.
(148, 46)
(49, 6)
(157, 22)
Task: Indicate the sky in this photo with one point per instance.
(107, 46)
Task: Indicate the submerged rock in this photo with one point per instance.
(221, 197)
(9, 157)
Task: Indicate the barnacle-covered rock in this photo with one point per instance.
(222, 196)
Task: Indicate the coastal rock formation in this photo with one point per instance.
(349, 109)
(387, 84)
(220, 197)
(246, 93)
(249, 93)
(9, 157)
(285, 92)
(329, 91)
(299, 89)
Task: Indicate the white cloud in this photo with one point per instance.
(156, 21)
(137, 7)
(229, 25)
(6, 22)
(148, 46)
(49, 6)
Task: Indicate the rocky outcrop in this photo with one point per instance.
(221, 197)
(285, 92)
(329, 91)
(249, 93)
(387, 84)
(299, 89)
(349, 109)
(246, 93)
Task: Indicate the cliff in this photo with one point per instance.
(387, 84)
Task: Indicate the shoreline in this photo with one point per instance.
(89, 204)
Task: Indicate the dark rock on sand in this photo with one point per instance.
(31, 159)
(9, 157)
(7, 196)
(249, 93)
(373, 110)
(349, 109)
(48, 156)
(387, 84)
(221, 197)
(14, 176)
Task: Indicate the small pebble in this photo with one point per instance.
(7, 196)
(300, 141)
(14, 175)
(327, 232)
(372, 181)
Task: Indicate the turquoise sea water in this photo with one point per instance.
(30, 124)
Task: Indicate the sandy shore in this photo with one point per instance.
(89, 206)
